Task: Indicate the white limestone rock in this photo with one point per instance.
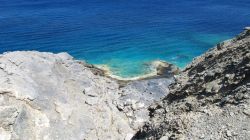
(48, 96)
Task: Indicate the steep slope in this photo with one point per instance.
(210, 99)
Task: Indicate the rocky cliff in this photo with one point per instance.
(210, 98)
(52, 96)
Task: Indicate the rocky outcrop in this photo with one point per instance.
(210, 98)
(51, 96)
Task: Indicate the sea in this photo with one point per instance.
(124, 35)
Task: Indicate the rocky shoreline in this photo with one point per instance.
(160, 69)
(52, 96)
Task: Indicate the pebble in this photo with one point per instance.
(231, 114)
(247, 112)
(129, 136)
(234, 133)
(202, 136)
(248, 84)
(229, 133)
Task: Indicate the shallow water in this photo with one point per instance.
(126, 35)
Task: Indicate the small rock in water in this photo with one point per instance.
(247, 28)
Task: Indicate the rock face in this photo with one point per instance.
(210, 98)
(51, 96)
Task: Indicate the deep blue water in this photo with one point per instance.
(123, 34)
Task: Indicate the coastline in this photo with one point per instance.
(159, 68)
(50, 91)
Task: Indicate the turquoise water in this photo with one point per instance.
(125, 35)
